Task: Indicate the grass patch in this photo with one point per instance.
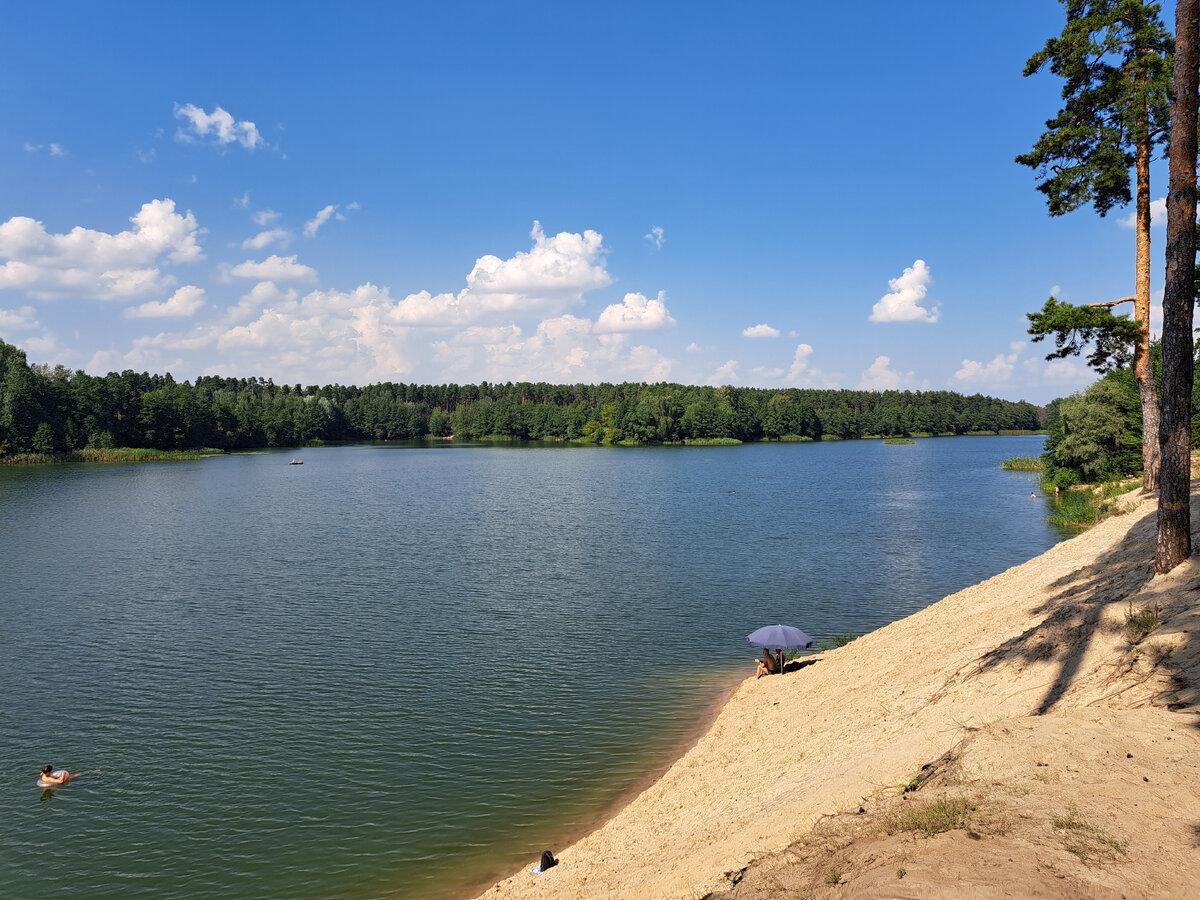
(838, 639)
(30, 459)
(1023, 464)
(138, 454)
(930, 817)
(1141, 622)
(1074, 509)
(795, 439)
(712, 442)
(1087, 841)
(110, 455)
(899, 441)
(1083, 507)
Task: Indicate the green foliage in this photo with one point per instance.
(1095, 435)
(43, 439)
(899, 441)
(1081, 508)
(1073, 509)
(1076, 327)
(1115, 59)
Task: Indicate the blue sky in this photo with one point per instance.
(771, 194)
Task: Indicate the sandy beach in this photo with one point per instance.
(1065, 748)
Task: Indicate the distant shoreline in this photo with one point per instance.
(141, 454)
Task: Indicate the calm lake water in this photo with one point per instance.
(397, 671)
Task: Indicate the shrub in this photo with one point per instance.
(1140, 623)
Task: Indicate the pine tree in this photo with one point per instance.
(1174, 543)
(1115, 56)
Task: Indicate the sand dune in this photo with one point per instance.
(1026, 692)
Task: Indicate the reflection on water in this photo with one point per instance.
(396, 671)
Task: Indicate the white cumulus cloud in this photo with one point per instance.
(635, 313)
(726, 373)
(799, 367)
(1158, 215)
(562, 349)
(262, 295)
(1000, 369)
(322, 216)
(95, 264)
(512, 320)
(185, 302)
(280, 236)
(550, 277)
(219, 124)
(557, 271)
(903, 304)
(760, 331)
(656, 237)
(881, 377)
(275, 268)
(1065, 372)
(18, 319)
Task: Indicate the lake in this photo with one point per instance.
(398, 671)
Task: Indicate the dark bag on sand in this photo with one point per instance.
(548, 860)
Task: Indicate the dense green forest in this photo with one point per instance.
(45, 410)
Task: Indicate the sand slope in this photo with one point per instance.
(1026, 691)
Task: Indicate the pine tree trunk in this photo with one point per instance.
(1174, 499)
(1142, 370)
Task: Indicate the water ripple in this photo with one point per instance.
(396, 672)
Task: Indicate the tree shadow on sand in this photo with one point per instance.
(1071, 616)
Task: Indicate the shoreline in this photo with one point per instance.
(724, 687)
(1019, 660)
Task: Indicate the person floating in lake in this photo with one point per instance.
(51, 776)
(768, 665)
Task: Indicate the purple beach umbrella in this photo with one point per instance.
(780, 637)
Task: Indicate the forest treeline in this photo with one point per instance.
(54, 410)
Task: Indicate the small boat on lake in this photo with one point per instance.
(296, 462)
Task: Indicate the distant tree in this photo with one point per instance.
(1115, 56)
(43, 438)
(439, 423)
(1174, 541)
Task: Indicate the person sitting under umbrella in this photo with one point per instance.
(769, 665)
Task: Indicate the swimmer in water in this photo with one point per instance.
(50, 776)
